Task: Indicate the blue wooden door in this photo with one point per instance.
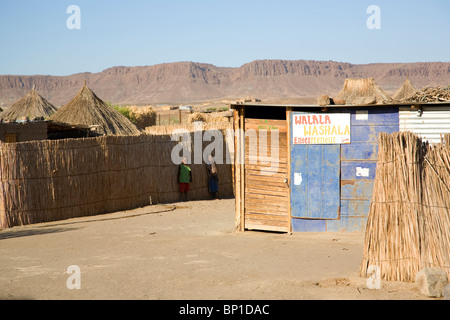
(315, 174)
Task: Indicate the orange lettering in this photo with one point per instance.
(315, 121)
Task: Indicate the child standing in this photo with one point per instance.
(184, 179)
(213, 177)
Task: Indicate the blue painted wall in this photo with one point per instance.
(357, 169)
(317, 196)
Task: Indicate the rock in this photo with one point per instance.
(324, 100)
(446, 292)
(365, 100)
(338, 101)
(431, 282)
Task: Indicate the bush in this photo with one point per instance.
(124, 111)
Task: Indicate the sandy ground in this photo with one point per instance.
(183, 251)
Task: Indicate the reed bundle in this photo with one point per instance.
(405, 91)
(323, 100)
(218, 117)
(408, 226)
(143, 117)
(197, 116)
(363, 91)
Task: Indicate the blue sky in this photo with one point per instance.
(34, 38)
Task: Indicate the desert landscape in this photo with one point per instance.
(201, 154)
(183, 251)
(176, 250)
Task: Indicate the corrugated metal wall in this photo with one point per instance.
(357, 171)
(358, 165)
(430, 124)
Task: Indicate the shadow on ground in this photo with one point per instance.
(9, 234)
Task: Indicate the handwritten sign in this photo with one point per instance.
(264, 125)
(321, 128)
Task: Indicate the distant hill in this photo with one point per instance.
(190, 82)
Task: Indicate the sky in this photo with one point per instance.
(44, 37)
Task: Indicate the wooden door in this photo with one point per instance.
(266, 172)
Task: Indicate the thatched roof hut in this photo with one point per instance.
(88, 109)
(405, 91)
(32, 106)
(363, 91)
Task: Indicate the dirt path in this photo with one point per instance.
(182, 251)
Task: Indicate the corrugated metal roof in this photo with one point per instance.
(415, 104)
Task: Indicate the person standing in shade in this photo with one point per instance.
(213, 177)
(184, 179)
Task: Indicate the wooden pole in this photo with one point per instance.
(242, 164)
(288, 124)
(237, 170)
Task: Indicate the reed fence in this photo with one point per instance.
(169, 129)
(51, 180)
(408, 226)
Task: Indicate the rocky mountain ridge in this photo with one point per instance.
(189, 82)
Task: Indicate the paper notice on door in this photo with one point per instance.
(362, 115)
(362, 172)
(297, 178)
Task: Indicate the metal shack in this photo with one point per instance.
(311, 168)
(308, 168)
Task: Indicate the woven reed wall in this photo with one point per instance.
(47, 180)
(189, 127)
(408, 226)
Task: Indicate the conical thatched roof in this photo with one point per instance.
(32, 106)
(88, 109)
(405, 91)
(363, 91)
